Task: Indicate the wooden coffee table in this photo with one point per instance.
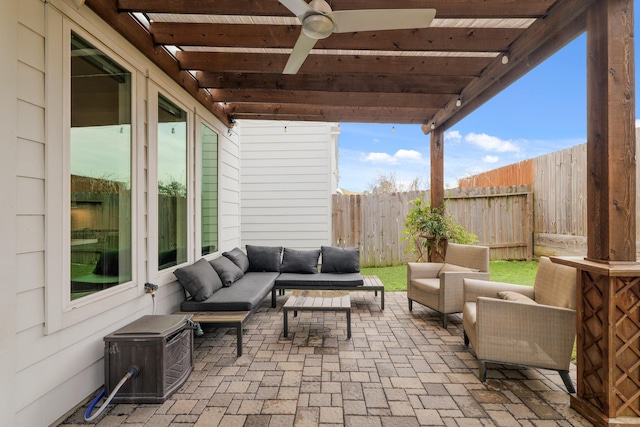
(317, 301)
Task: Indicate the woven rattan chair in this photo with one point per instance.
(439, 286)
(523, 325)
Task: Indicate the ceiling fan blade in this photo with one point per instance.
(297, 7)
(299, 54)
(349, 21)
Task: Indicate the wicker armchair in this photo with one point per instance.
(439, 286)
(523, 325)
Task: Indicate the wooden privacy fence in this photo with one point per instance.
(501, 217)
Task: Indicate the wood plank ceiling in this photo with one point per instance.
(230, 55)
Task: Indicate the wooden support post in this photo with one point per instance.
(608, 292)
(437, 167)
(611, 142)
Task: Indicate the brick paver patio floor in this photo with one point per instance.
(399, 369)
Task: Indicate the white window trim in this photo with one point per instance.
(166, 276)
(60, 311)
(198, 186)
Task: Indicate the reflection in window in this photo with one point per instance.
(100, 163)
(172, 184)
(209, 140)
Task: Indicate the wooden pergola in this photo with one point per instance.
(229, 54)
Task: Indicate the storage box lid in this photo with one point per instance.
(153, 325)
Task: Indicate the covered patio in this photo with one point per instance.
(399, 369)
(232, 60)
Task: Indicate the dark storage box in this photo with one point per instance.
(160, 346)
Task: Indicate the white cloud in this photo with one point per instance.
(491, 143)
(400, 155)
(379, 158)
(408, 155)
(490, 159)
(452, 136)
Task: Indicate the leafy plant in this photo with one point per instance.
(429, 229)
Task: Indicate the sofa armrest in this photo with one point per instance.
(527, 334)
(474, 288)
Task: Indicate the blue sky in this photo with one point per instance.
(543, 112)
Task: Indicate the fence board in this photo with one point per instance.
(501, 217)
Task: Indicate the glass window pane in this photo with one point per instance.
(172, 184)
(209, 190)
(100, 160)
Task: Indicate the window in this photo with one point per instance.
(172, 184)
(209, 190)
(100, 168)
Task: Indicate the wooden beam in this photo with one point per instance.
(539, 34)
(274, 63)
(444, 8)
(611, 143)
(335, 82)
(137, 35)
(237, 110)
(346, 115)
(409, 100)
(285, 36)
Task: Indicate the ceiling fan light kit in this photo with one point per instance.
(317, 26)
(319, 21)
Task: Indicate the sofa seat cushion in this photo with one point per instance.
(319, 280)
(431, 286)
(244, 295)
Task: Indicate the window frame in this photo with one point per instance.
(199, 122)
(60, 311)
(162, 277)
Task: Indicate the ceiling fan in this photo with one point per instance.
(319, 22)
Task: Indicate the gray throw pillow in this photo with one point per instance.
(340, 260)
(297, 261)
(239, 258)
(264, 258)
(199, 279)
(227, 270)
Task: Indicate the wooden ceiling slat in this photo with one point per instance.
(236, 110)
(444, 8)
(410, 100)
(136, 34)
(274, 63)
(562, 25)
(346, 87)
(335, 82)
(285, 36)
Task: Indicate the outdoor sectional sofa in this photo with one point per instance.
(226, 290)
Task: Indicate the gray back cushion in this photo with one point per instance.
(199, 279)
(264, 258)
(297, 261)
(227, 270)
(239, 258)
(340, 260)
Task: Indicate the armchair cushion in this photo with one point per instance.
(555, 284)
(515, 296)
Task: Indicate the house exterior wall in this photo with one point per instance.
(51, 358)
(289, 172)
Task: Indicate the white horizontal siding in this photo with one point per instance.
(286, 183)
(30, 268)
(46, 375)
(30, 159)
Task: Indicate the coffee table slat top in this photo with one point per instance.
(318, 300)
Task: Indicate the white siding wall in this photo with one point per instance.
(288, 176)
(45, 375)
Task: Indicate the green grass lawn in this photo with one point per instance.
(517, 272)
